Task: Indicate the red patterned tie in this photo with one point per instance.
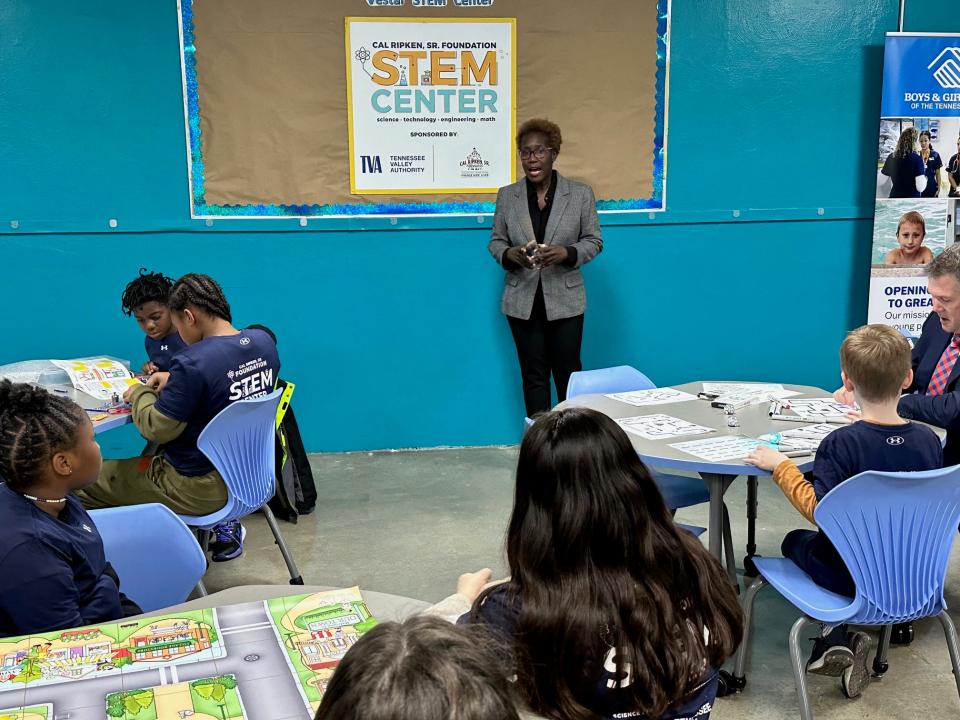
(938, 382)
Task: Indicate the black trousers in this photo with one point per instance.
(546, 347)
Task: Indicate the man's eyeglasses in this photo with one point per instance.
(539, 152)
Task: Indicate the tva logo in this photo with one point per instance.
(947, 71)
(370, 164)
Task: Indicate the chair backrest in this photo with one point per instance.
(621, 378)
(240, 442)
(156, 556)
(894, 531)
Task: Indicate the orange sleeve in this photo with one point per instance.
(796, 487)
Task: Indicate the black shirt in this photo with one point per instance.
(540, 217)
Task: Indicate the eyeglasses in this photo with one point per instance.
(539, 152)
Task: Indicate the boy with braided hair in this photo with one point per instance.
(220, 365)
(54, 573)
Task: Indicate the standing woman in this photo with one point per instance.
(931, 166)
(544, 229)
(905, 168)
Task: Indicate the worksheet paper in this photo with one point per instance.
(805, 438)
(741, 394)
(652, 396)
(98, 377)
(816, 409)
(719, 449)
(660, 427)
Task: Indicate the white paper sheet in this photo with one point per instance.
(817, 409)
(660, 427)
(98, 377)
(653, 396)
(730, 447)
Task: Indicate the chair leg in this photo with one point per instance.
(950, 631)
(201, 588)
(204, 537)
(740, 659)
(799, 669)
(880, 664)
(728, 548)
(295, 578)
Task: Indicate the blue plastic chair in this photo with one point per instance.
(132, 536)
(240, 442)
(621, 378)
(894, 531)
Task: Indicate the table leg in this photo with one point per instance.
(717, 485)
(749, 569)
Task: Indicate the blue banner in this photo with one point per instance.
(921, 76)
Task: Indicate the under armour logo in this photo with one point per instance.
(245, 341)
(87, 528)
(895, 440)
(164, 347)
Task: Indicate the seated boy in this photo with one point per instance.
(145, 298)
(875, 365)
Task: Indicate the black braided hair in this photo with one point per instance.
(33, 426)
(148, 286)
(201, 291)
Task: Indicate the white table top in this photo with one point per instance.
(754, 421)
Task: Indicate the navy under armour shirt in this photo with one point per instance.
(206, 377)
(160, 352)
(856, 448)
(54, 573)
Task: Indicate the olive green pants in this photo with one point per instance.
(153, 480)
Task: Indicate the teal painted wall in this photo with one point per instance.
(392, 333)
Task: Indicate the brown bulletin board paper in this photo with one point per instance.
(273, 99)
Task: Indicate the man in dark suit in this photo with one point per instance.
(934, 397)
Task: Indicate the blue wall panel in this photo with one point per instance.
(394, 335)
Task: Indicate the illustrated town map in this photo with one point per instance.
(267, 660)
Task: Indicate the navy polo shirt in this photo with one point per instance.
(206, 377)
(53, 573)
(160, 352)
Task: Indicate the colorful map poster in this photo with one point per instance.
(315, 632)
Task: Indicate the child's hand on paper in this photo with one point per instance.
(149, 368)
(765, 457)
(471, 584)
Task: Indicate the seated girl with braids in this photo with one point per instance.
(219, 366)
(611, 610)
(52, 565)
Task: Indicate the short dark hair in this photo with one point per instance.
(421, 669)
(146, 287)
(34, 425)
(541, 125)
(201, 291)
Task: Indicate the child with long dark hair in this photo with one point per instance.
(220, 365)
(611, 610)
(54, 573)
(421, 669)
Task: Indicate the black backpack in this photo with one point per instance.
(296, 491)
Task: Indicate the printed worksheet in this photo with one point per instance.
(817, 410)
(98, 377)
(805, 438)
(719, 449)
(660, 427)
(742, 394)
(652, 396)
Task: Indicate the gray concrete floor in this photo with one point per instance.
(410, 522)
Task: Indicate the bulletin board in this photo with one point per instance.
(269, 125)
